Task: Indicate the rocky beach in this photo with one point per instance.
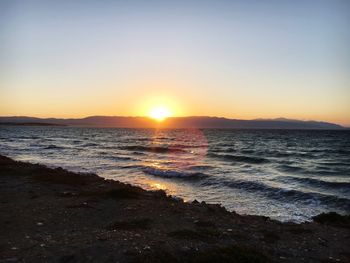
(53, 215)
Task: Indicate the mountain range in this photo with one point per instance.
(172, 122)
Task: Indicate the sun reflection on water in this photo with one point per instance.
(153, 184)
(171, 157)
(158, 186)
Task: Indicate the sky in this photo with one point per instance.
(237, 59)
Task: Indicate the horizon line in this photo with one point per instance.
(189, 116)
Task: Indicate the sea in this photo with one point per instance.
(287, 175)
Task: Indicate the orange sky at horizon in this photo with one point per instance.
(176, 109)
(183, 101)
(180, 99)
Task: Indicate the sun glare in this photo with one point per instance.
(159, 113)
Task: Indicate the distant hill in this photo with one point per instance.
(29, 124)
(174, 122)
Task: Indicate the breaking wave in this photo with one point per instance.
(173, 174)
(290, 195)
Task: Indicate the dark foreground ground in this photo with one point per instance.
(52, 215)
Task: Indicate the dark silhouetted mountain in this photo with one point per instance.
(29, 124)
(176, 122)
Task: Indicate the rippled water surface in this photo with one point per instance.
(286, 175)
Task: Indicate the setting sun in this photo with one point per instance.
(159, 113)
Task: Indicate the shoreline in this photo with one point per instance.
(56, 215)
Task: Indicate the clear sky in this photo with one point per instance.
(239, 59)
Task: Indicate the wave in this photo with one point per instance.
(289, 168)
(177, 146)
(173, 174)
(201, 167)
(246, 151)
(90, 144)
(224, 150)
(318, 171)
(163, 138)
(27, 137)
(288, 154)
(336, 151)
(131, 166)
(142, 139)
(290, 195)
(326, 172)
(52, 147)
(155, 149)
(335, 163)
(138, 153)
(119, 158)
(316, 182)
(239, 158)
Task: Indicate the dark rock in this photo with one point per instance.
(333, 218)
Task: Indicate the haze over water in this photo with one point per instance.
(287, 175)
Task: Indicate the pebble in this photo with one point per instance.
(39, 224)
(147, 248)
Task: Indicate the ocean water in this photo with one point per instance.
(287, 175)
